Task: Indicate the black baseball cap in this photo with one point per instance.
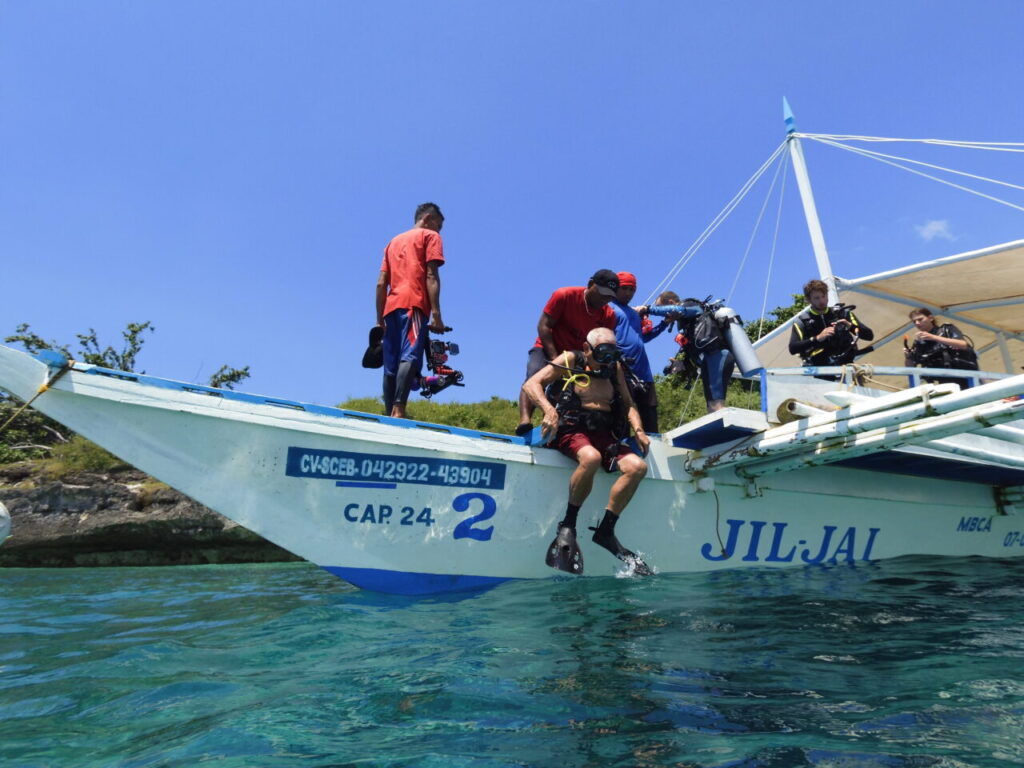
(607, 282)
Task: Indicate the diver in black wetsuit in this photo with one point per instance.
(824, 335)
(939, 346)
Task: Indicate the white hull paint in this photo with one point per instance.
(415, 509)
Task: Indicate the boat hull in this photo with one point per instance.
(410, 508)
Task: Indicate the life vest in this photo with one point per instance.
(935, 354)
(838, 349)
(699, 335)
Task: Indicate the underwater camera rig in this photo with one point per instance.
(843, 348)
(441, 375)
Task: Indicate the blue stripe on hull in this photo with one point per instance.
(410, 583)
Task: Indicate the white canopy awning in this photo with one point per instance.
(981, 292)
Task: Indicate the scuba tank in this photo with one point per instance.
(738, 341)
(729, 323)
(682, 310)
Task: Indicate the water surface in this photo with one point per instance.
(913, 662)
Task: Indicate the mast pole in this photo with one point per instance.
(807, 197)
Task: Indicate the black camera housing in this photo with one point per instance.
(443, 376)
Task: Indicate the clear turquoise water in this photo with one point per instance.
(916, 662)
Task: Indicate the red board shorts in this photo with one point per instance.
(571, 441)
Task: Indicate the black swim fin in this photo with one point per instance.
(373, 357)
(563, 553)
(607, 540)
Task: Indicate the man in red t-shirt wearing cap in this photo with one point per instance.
(408, 292)
(569, 315)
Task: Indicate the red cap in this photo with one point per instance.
(627, 278)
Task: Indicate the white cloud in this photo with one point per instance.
(933, 229)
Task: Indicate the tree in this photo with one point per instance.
(226, 377)
(758, 329)
(32, 434)
(89, 345)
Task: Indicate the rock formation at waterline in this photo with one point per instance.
(122, 517)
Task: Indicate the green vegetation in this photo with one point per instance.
(123, 360)
(494, 415)
(676, 406)
(79, 455)
(226, 377)
(757, 329)
(89, 346)
(679, 405)
(30, 436)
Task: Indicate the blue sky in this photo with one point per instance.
(231, 171)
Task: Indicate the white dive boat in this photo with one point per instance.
(824, 473)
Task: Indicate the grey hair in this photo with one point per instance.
(601, 336)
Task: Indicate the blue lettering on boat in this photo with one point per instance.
(466, 529)
(380, 514)
(848, 546)
(355, 468)
(974, 524)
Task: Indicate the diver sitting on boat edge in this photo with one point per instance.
(589, 391)
(568, 316)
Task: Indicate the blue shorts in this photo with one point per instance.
(404, 339)
(535, 360)
(715, 371)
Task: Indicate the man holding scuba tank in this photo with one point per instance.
(631, 337)
(942, 346)
(824, 335)
(408, 292)
(567, 318)
(704, 346)
(588, 411)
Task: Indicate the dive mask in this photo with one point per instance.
(606, 353)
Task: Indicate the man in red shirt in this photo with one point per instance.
(408, 292)
(569, 315)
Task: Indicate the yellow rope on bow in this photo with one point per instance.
(43, 388)
(582, 378)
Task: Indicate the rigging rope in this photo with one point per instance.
(872, 156)
(45, 386)
(722, 215)
(996, 146)
(689, 397)
(757, 226)
(771, 257)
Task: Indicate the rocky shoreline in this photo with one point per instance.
(117, 518)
